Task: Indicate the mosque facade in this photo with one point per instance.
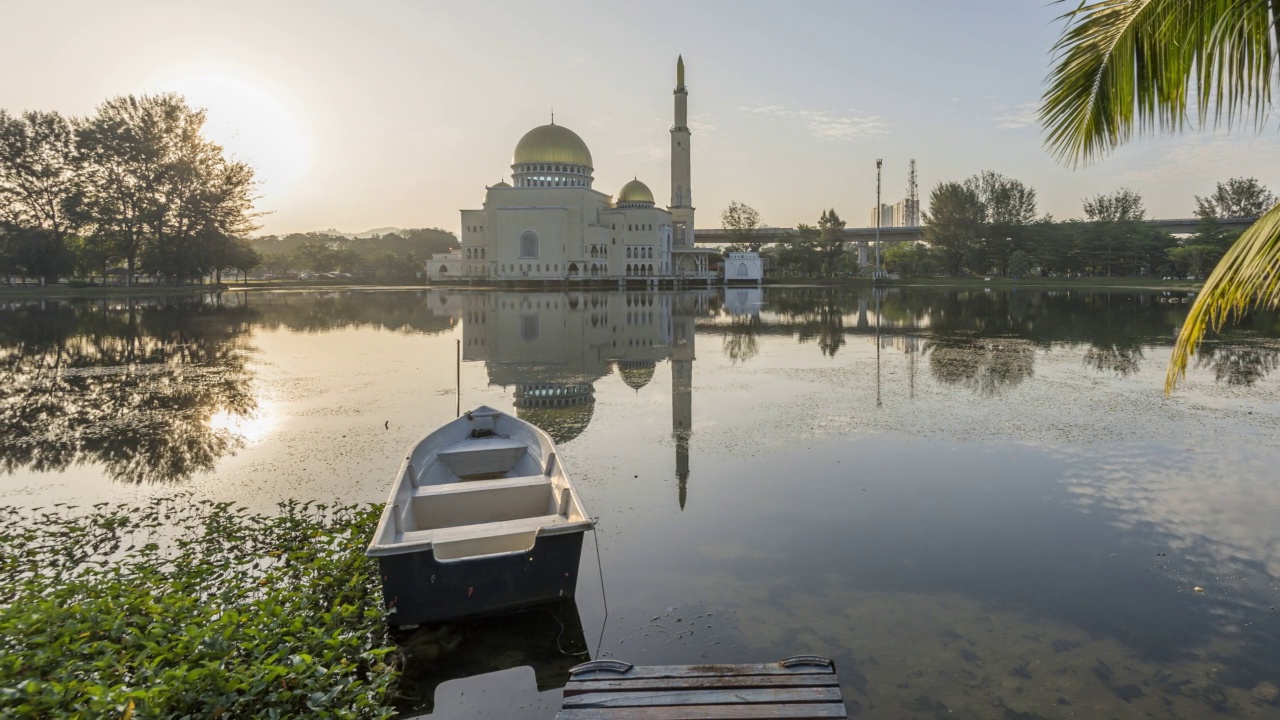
(551, 225)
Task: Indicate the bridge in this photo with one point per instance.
(717, 236)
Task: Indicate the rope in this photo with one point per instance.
(595, 538)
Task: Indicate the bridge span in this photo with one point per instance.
(717, 236)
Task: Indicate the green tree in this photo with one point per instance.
(39, 186)
(156, 188)
(1237, 198)
(1117, 224)
(830, 241)
(1008, 207)
(739, 221)
(1122, 66)
(954, 224)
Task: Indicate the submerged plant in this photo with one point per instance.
(184, 608)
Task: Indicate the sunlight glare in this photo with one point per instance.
(251, 124)
(250, 427)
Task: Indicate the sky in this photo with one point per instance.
(400, 112)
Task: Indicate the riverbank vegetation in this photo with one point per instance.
(1219, 57)
(184, 608)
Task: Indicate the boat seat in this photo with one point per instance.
(445, 489)
(482, 456)
(483, 530)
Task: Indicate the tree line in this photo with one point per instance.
(989, 224)
(402, 253)
(134, 188)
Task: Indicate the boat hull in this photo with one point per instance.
(420, 589)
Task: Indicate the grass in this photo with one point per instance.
(179, 609)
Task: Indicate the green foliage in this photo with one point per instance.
(954, 224)
(1126, 66)
(184, 608)
(39, 186)
(738, 221)
(1236, 198)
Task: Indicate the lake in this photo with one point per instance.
(979, 503)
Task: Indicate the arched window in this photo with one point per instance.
(528, 244)
(482, 254)
(444, 270)
(742, 269)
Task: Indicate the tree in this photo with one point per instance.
(1126, 65)
(830, 241)
(954, 223)
(1008, 206)
(1116, 219)
(39, 185)
(739, 221)
(1236, 198)
(156, 188)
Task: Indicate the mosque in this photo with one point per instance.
(549, 225)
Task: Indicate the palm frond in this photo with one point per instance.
(1137, 66)
(1247, 277)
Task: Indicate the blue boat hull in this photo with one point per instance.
(419, 589)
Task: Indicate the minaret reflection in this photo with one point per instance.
(553, 348)
(682, 397)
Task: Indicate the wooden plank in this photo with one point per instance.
(672, 671)
(732, 696)
(575, 687)
(833, 711)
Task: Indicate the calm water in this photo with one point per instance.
(978, 503)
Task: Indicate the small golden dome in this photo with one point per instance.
(636, 373)
(635, 192)
(551, 143)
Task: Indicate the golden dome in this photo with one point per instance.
(636, 373)
(552, 143)
(635, 192)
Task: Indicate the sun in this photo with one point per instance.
(252, 125)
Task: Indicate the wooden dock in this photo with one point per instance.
(798, 688)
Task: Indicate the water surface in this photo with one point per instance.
(979, 503)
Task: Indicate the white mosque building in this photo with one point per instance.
(549, 225)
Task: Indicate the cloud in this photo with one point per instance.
(826, 123)
(1016, 117)
(701, 124)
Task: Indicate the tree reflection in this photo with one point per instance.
(1236, 363)
(130, 385)
(1119, 358)
(986, 365)
(741, 338)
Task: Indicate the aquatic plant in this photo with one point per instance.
(185, 608)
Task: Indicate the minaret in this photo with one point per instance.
(681, 183)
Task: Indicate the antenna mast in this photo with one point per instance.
(913, 198)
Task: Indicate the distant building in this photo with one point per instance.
(550, 225)
(905, 213)
(743, 267)
(445, 266)
(886, 216)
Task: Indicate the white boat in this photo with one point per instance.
(482, 519)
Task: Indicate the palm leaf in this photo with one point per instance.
(1135, 66)
(1247, 277)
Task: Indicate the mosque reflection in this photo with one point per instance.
(553, 348)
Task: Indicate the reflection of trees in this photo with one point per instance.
(741, 338)
(1237, 363)
(413, 312)
(131, 385)
(1120, 358)
(986, 365)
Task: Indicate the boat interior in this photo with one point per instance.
(480, 490)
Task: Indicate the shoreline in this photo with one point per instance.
(65, 292)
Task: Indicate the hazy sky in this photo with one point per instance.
(368, 114)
